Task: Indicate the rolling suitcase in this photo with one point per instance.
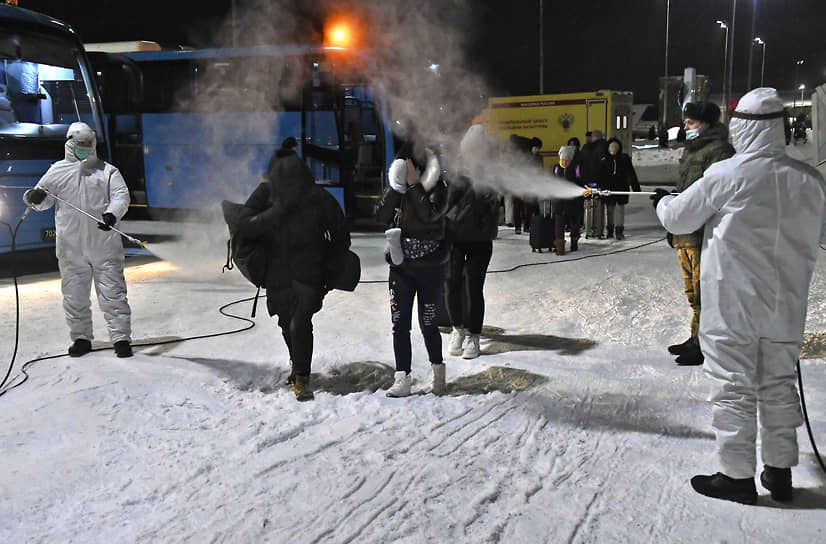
(542, 228)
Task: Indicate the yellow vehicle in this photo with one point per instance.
(555, 118)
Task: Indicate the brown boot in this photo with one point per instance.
(302, 389)
(574, 243)
(560, 247)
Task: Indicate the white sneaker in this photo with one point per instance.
(457, 337)
(471, 347)
(438, 387)
(401, 385)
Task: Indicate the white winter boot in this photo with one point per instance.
(401, 385)
(438, 387)
(471, 347)
(457, 337)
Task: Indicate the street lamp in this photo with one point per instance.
(665, 80)
(797, 63)
(759, 41)
(724, 26)
(731, 52)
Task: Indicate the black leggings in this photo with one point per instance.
(423, 282)
(468, 266)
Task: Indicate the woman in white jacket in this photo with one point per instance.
(764, 218)
(88, 251)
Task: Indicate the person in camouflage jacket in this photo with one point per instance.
(707, 141)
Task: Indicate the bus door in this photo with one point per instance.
(320, 136)
(597, 115)
(363, 135)
(121, 86)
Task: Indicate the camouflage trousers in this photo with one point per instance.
(690, 264)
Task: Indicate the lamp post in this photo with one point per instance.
(797, 64)
(724, 26)
(665, 79)
(759, 41)
(802, 88)
(731, 53)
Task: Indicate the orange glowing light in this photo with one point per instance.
(338, 34)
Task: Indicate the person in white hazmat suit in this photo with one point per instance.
(88, 251)
(764, 218)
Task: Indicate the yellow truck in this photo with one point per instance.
(555, 118)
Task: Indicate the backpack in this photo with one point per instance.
(250, 255)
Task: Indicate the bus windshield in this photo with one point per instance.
(44, 85)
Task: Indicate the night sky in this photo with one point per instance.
(589, 44)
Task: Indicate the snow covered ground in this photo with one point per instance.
(575, 425)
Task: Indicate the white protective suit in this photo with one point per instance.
(85, 252)
(764, 217)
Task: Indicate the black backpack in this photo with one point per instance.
(250, 255)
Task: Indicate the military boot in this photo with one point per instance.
(302, 389)
(559, 245)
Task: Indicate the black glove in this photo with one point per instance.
(657, 196)
(35, 196)
(108, 221)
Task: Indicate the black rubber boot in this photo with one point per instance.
(620, 232)
(123, 348)
(609, 232)
(676, 349)
(720, 486)
(691, 356)
(80, 347)
(778, 481)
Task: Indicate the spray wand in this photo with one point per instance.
(593, 191)
(96, 220)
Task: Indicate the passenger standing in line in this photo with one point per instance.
(567, 212)
(707, 143)
(413, 206)
(471, 222)
(577, 165)
(619, 175)
(762, 216)
(593, 158)
(307, 232)
(86, 251)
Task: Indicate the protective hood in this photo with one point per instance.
(291, 181)
(79, 132)
(757, 123)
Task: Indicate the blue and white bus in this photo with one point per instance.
(46, 84)
(192, 127)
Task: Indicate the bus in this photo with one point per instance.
(46, 83)
(192, 127)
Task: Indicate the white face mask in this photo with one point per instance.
(692, 133)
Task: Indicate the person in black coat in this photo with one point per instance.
(413, 206)
(593, 155)
(618, 175)
(567, 212)
(308, 233)
(472, 224)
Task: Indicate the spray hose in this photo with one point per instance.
(95, 219)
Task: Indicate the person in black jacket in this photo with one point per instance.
(472, 224)
(593, 156)
(617, 175)
(413, 206)
(308, 233)
(567, 213)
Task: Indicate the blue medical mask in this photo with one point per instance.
(692, 133)
(82, 152)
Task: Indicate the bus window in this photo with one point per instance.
(43, 89)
